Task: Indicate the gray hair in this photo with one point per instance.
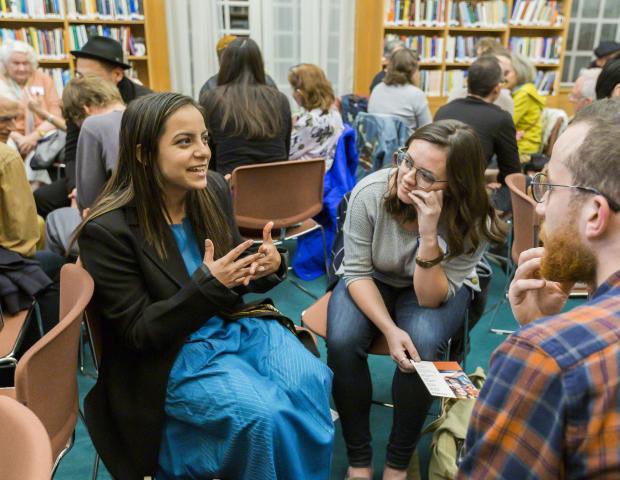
(524, 68)
(391, 46)
(17, 46)
(588, 87)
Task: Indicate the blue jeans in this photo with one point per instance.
(349, 336)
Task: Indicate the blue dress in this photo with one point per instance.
(245, 400)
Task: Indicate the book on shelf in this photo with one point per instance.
(545, 50)
(48, 44)
(105, 9)
(430, 82)
(489, 14)
(461, 49)
(32, 9)
(429, 48)
(79, 35)
(454, 79)
(536, 13)
(60, 76)
(415, 13)
(544, 82)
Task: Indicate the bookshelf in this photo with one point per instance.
(55, 27)
(447, 32)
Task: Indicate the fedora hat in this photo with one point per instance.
(104, 49)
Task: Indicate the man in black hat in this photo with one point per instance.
(102, 56)
(605, 51)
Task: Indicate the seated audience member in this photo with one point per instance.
(96, 107)
(529, 104)
(192, 383)
(608, 82)
(103, 57)
(219, 50)
(318, 126)
(584, 89)
(249, 122)
(412, 237)
(493, 125)
(388, 50)
(550, 404)
(19, 231)
(489, 46)
(397, 94)
(604, 53)
(24, 81)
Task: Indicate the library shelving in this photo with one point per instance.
(445, 33)
(55, 27)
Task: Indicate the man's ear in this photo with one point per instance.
(598, 216)
(616, 91)
(117, 74)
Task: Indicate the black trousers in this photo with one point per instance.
(50, 197)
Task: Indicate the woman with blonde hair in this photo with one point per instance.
(317, 127)
(529, 104)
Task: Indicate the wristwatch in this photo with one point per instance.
(50, 118)
(429, 263)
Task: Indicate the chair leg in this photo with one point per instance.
(324, 249)
(37, 314)
(303, 289)
(95, 467)
(63, 453)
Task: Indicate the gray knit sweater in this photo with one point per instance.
(377, 246)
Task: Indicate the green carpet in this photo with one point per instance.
(292, 301)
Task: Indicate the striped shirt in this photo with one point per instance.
(550, 408)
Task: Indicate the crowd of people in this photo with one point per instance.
(196, 383)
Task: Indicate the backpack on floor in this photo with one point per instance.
(449, 433)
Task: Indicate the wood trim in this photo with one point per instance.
(368, 43)
(156, 34)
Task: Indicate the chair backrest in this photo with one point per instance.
(554, 122)
(525, 220)
(553, 136)
(25, 450)
(283, 192)
(46, 375)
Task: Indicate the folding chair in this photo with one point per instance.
(25, 449)
(288, 193)
(45, 377)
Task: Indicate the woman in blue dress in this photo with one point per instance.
(192, 382)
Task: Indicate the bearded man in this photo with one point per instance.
(550, 408)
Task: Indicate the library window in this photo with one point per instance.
(591, 22)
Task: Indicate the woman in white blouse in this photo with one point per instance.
(318, 125)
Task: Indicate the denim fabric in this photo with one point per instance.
(349, 336)
(378, 137)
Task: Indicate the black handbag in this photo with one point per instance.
(49, 150)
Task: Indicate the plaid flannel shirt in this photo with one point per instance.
(550, 408)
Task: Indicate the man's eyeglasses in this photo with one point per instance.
(7, 118)
(423, 178)
(540, 187)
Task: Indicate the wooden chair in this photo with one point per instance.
(45, 377)
(25, 449)
(525, 233)
(287, 193)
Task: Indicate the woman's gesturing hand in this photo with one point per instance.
(228, 270)
(270, 262)
(428, 205)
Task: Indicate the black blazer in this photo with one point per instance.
(148, 307)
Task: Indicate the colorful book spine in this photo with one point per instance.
(536, 13)
(48, 44)
(546, 50)
(416, 13)
(454, 79)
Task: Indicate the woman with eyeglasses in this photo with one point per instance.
(413, 236)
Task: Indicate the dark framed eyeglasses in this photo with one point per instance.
(423, 178)
(7, 118)
(540, 188)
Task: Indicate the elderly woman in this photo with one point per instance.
(519, 75)
(23, 82)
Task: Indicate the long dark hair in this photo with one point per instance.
(138, 179)
(467, 212)
(242, 99)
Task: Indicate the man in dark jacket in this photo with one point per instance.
(494, 126)
(102, 56)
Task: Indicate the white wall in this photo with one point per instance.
(289, 32)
